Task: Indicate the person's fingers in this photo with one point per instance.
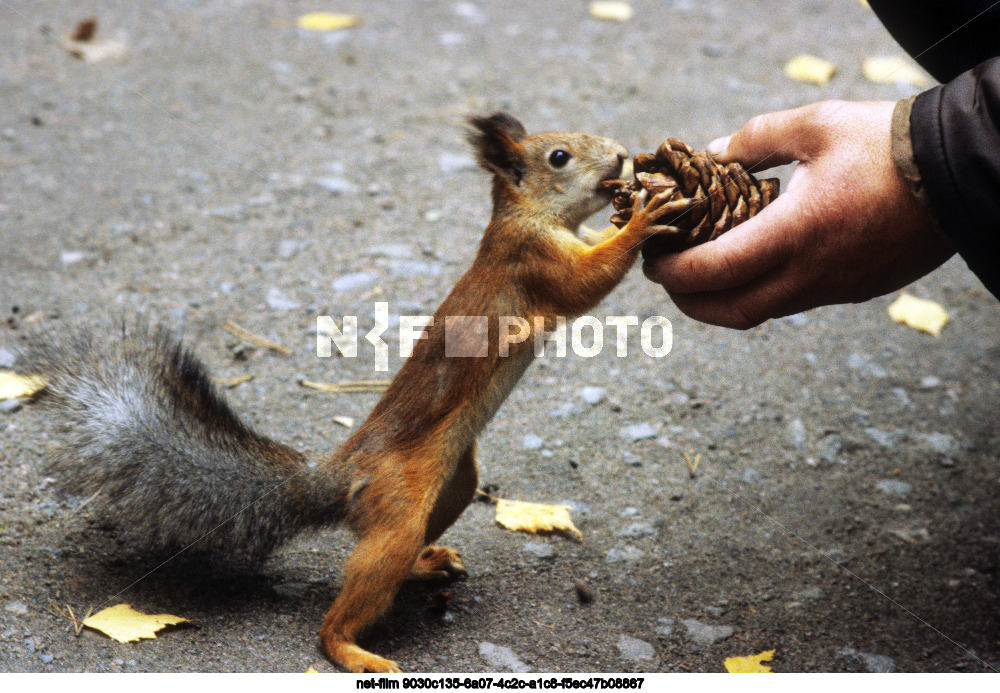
(737, 257)
(774, 294)
(772, 139)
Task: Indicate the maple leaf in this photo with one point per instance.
(751, 664)
(520, 516)
(125, 624)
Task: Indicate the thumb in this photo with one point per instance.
(767, 140)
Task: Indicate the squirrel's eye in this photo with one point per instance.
(559, 158)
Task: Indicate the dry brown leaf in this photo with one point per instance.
(919, 313)
(83, 43)
(611, 10)
(752, 664)
(893, 69)
(13, 385)
(249, 336)
(809, 68)
(125, 624)
(326, 21)
(520, 516)
(85, 30)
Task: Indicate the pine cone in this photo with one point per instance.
(729, 195)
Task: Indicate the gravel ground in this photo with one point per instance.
(233, 167)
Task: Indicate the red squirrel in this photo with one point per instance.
(176, 465)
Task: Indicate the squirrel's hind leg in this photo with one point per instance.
(389, 552)
(440, 562)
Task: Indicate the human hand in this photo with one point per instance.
(846, 230)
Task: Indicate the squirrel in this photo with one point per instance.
(175, 464)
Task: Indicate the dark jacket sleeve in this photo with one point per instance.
(955, 127)
(955, 132)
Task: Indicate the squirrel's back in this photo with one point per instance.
(170, 461)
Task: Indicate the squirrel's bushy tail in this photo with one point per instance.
(170, 460)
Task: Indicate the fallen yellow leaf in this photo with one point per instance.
(345, 421)
(752, 664)
(327, 21)
(809, 68)
(125, 624)
(13, 385)
(610, 10)
(919, 313)
(519, 516)
(893, 69)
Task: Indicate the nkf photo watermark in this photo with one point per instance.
(471, 336)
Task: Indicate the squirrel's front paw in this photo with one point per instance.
(656, 216)
(438, 562)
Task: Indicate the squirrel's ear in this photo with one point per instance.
(496, 139)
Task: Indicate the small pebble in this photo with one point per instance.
(638, 530)
(894, 487)
(830, 447)
(797, 435)
(873, 663)
(811, 593)
(232, 213)
(864, 365)
(336, 185)
(9, 406)
(71, 257)
(454, 163)
(592, 395)
(941, 443)
(502, 658)
(929, 382)
(395, 251)
(532, 442)
(883, 438)
(665, 627)
(17, 608)
(414, 269)
(277, 300)
(354, 281)
(635, 650)
(290, 247)
(625, 554)
(703, 634)
(539, 549)
(636, 432)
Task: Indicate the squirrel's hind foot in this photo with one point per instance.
(437, 563)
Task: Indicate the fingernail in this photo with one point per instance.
(718, 147)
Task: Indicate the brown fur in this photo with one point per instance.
(414, 458)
